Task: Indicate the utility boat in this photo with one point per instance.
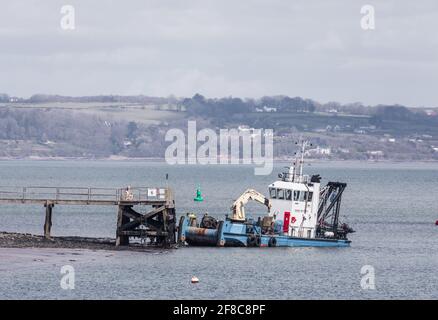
(299, 213)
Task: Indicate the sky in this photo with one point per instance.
(246, 48)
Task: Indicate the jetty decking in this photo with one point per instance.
(157, 226)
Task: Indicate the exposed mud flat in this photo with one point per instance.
(26, 240)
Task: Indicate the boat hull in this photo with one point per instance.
(235, 234)
(285, 241)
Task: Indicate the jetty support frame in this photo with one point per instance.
(157, 226)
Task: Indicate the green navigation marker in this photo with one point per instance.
(198, 197)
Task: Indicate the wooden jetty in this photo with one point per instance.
(156, 227)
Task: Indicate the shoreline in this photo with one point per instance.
(15, 240)
(162, 160)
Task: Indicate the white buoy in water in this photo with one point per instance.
(195, 279)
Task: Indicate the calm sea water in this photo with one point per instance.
(393, 208)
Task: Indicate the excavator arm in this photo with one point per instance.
(238, 207)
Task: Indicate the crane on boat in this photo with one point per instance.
(238, 207)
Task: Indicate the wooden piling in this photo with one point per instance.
(48, 221)
(122, 219)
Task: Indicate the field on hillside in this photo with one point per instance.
(113, 111)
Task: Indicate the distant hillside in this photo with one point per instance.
(46, 98)
(134, 126)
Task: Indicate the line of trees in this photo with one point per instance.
(198, 105)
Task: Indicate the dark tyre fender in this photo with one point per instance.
(258, 241)
(251, 241)
(272, 242)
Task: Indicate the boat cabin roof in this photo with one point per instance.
(290, 185)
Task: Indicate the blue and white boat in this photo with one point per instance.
(300, 213)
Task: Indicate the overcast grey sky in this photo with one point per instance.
(313, 49)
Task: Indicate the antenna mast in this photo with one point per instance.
(304, 144)
(296, 170)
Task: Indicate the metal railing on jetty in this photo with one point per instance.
(81, 196)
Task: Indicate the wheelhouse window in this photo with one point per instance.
(310, 196)
(273, 193)
(288, 194)
(303, 196)
(296, 195)
(280, 194)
